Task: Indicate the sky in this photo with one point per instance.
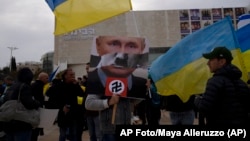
(28, 25)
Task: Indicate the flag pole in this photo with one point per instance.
(113, 114)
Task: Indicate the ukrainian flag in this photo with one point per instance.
(243, 34)
(74, 14)
(183, 71)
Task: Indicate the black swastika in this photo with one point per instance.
(116, 86)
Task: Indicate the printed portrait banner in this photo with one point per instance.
(118, 65)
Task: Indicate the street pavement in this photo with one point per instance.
(52, 133)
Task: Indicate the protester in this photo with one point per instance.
(139, 116)
(2, 86)
(18, 130)
(149, 110)
(79, 80)
(37, 91)
(92, 118)
(153, 105)
(84, 80)
(119, 59)
(8, 81)
(70, 117)
(226, 97)
(181, 113)
(53, 94)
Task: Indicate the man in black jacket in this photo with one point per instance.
(38, 93)
(70, 117)
(226, 96)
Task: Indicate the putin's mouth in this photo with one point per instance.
(117, 66)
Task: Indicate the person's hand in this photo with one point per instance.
(148, 83)
(136, 120)
(66, 109)
(113, 100)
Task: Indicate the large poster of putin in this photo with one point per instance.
(118, 65)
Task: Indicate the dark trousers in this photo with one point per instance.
(35, 133)
(72, 133)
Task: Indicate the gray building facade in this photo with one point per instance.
(162, 29)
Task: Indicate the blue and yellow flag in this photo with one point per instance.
(243, 34)
(183, 71)
(74, 14)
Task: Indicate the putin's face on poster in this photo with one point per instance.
(118, 61)
(120, 56)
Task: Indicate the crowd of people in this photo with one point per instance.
(84, 104)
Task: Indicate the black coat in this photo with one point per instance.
(37, 91)
(68, 93)
(175, 104)
(225, 99)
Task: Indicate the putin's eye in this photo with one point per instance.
(132, 45)
(115, 43)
